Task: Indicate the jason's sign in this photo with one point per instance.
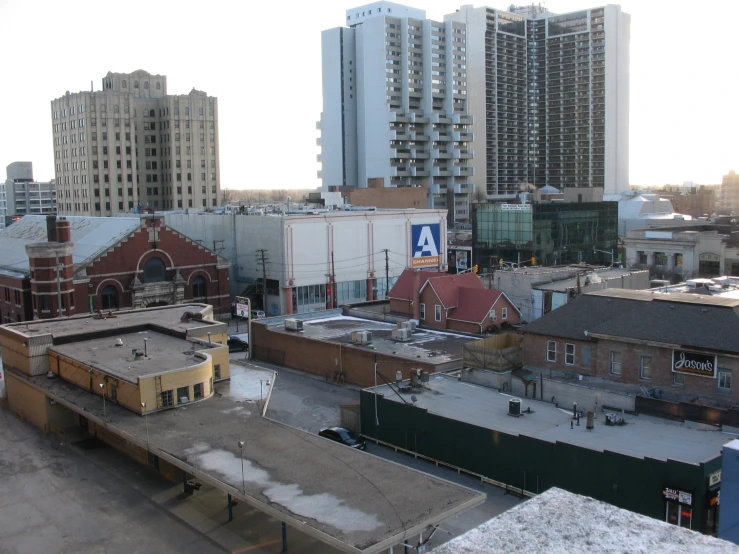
(425, 245)
(694, 363)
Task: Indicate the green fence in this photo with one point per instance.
(535, 465)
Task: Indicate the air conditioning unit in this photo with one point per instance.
(403, 325)
(361, 337)
(413, 324)
(514, 407)
(401, 335)
(294, 324)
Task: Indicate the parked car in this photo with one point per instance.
(344, 436)
(258, 314)
(238, 343)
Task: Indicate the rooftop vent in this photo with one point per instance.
(119, 342)
(362, 337)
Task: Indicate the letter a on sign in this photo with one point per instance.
(425, 245)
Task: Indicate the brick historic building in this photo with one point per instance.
(676, 346)
(452, 302)
(53, 267)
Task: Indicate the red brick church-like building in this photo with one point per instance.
(51, 267)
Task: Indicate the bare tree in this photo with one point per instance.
(479, 195)
(278, 195)
(227, 195)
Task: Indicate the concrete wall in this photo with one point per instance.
(27, 402)
(564, 394)
(388, 198)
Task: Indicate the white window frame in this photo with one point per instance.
(569, 355)
(613, 364)
(641, 367)
(504, 313)
(722, 375)
(422, 311)
(437, 312)
(493, 316)
(551, 350)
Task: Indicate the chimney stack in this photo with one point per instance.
(51, 228)
(63, 230)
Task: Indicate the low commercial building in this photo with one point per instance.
(648, 465)
(452, 302)
(678, 347)
(53, 267)
(319, 261)
(70, 377)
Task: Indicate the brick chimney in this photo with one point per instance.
(416, 294)
(63, 230)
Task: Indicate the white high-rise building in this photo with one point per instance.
(395, 105)
(550, 98)
(20, 195)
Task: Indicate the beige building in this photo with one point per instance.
(133, 147)
(730, 193)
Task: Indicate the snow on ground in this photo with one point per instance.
(384, 325)
(322, 507)
(245, 384)
(559, 522)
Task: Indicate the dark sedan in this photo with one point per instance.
(344, 436)
(238, 343)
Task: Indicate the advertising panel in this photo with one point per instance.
(425, 245)
(694, 363)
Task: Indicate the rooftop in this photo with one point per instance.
(596, 276)
(164, 353)
(432, 347)
(366, 505)
(559, 522)
(643, 436)
(125, 321)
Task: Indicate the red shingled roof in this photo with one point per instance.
(474, 304)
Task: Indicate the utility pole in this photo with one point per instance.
(387, 272)
(263, 259)
(333, 281)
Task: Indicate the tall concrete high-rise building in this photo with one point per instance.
(730, 193)
(395, 105)
(20, 195)
(550, 98)
(133, 147)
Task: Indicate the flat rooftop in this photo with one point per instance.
(167, 317)
(593, 277)
(558, 521)
(164, 353)
(431, 347)
(643, 436)
(350, 499)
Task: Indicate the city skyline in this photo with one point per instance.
(269, 89)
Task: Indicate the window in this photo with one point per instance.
(154, 271)
(437, 313)
(493, 315)
(615, 363)
(199, 287)
(167, 397)
(678, 378)
(724, 380)
(645, 367)
(197, 388)
(183, 395)
(551, 351)
(110, 298)
(217, 371)
(422, 311)
(569, 354)
(504, 313)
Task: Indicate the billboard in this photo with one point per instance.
(425, 245)
(694, 363)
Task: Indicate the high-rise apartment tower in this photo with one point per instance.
(133, 147)
(550, 98)
(395, 105)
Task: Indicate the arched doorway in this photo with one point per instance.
(109, 298)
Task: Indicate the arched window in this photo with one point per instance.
(146, 113)
(154, 271)
(116, 109)
(146, 84)
(110, 298)
(135, 84)
(199, 287)
(123, 83)
(159, 85)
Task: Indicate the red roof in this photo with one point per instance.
(463, 294)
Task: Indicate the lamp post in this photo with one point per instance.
(606, 252)
(146, 419)
(102, 386)
(243, 486)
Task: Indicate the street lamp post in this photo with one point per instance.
(146, 419)
(243, 486)
(102, 386)
(606, 252)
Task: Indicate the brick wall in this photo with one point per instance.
(534, 353)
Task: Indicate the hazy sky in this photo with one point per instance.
(263, 62)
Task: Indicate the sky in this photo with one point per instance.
(263, 63)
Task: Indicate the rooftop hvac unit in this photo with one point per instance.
(401, 334)
(403, 325)
(294, 324)
(413, 324)
(514, 407)
(361, 337)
